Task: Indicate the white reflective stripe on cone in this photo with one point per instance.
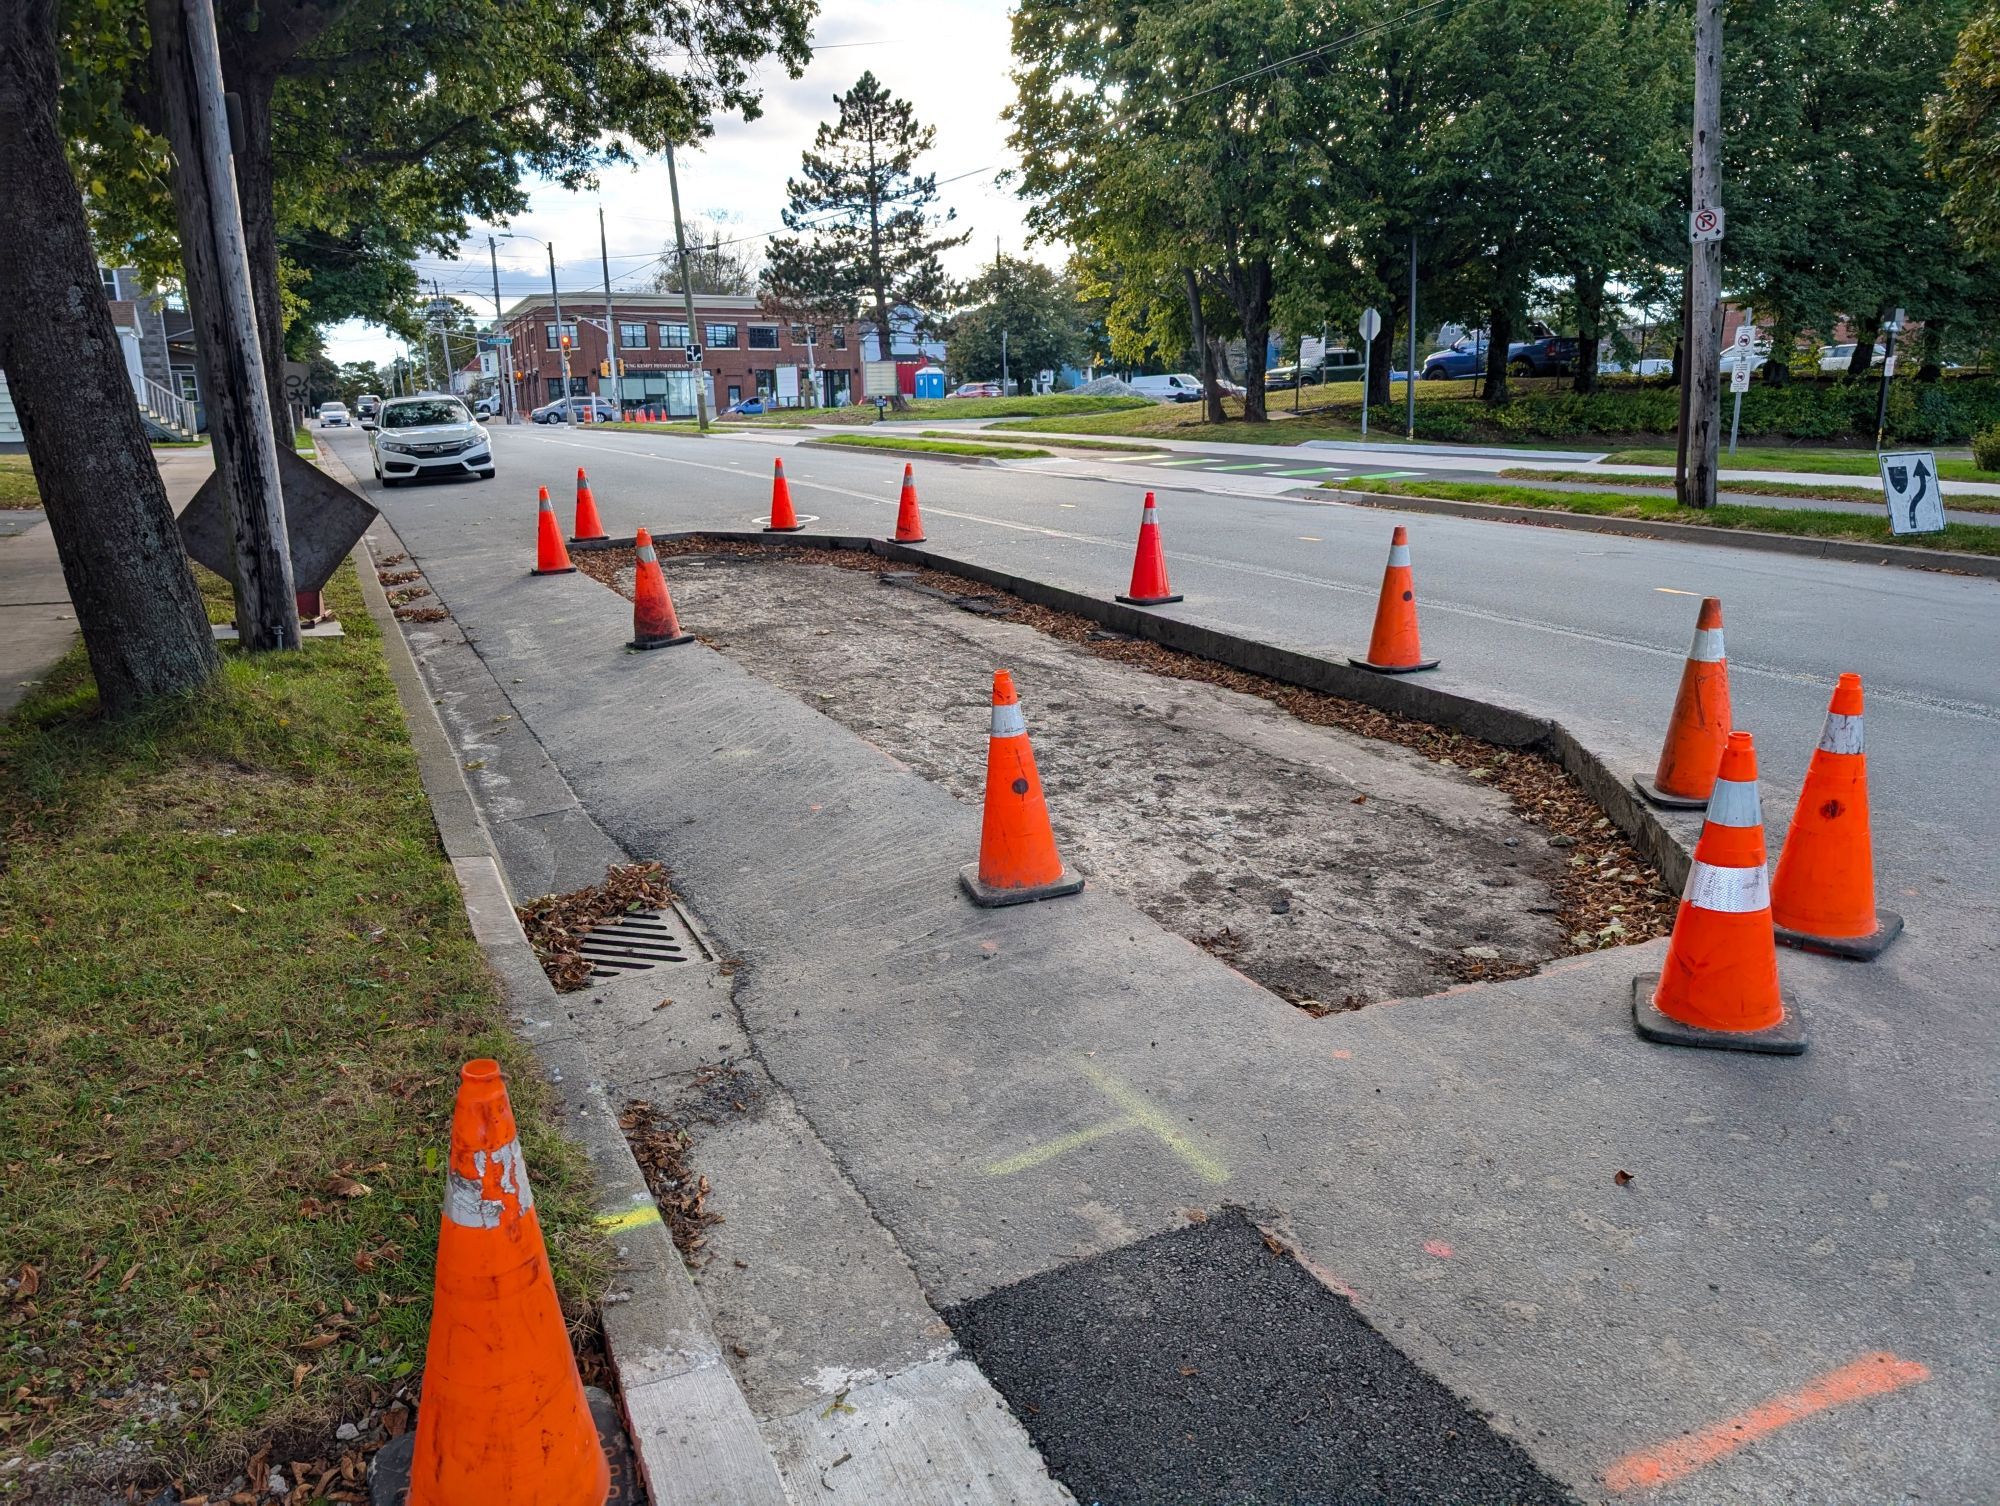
(647, 557)
(1731, 891)
(465, 1200)
(1008, 721)
(1399, 554)
(1842, 734)
(1735, 803)
(1707, 646)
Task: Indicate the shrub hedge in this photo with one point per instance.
(1986, 449)
(1947, 412)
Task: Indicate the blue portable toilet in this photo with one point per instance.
(930, 381)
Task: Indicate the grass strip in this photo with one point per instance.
(931, 446)
(1812, 462)
(1065, 443)
(17, 483)
(236, 983)
(932, 409)
(1860, 528)
(1824, 491)
(627, 426)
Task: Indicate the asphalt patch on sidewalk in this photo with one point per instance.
(1202, 1367)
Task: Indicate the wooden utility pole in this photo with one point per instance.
(187, 66)
(1701, 373)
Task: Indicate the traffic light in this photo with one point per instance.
(604, 369)
(565, 342)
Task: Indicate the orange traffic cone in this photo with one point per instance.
(783, 519)
(1720, 983)
(1017, 851)
(550, 556)
(503, 1415)
(909, 522)
(588, 529)
(1823, 894)
(654, 624)
(1700, 724)
(1395, 648)
(1149, 564)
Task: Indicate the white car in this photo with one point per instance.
(1837, 358)
(334, 416)
(429, 436)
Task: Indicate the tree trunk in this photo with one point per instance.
(1864, 344)
(144, 626)
(1256, 316)
(1500, 335)
(231, 357)
(1589, 283)
(1382, 359)
(1211, 395)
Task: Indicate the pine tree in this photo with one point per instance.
(865, 220)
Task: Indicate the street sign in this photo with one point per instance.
(1910, 488)
(1739, 376)
(693, 353)
(1889, 365)
(1705, 223)
(503, 339)
(1371, 324)
(1312, 350)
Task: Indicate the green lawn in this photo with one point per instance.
(930, 446)
(1969, 538)
(236, 983)
(1825, 490)
(1332, 411)
(17, 482)
(622, 426)
(1817, 462)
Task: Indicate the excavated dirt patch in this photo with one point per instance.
(1335, 853)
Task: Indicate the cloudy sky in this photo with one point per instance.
(949, 58)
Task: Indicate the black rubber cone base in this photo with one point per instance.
(1888, 926)
(661, 642)
(1654, 795)
(1149, 601)
(1395, 669)
(1786, 1038)
(795, 528)
(595, 541)
(559, 570)
(992, 898)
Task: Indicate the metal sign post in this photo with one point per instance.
(1370, 327)
(1894, 327)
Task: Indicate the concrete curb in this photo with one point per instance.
(1690, 533)
(692, 1431)
(1666, 848)
(820, 444)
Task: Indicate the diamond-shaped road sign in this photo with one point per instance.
(323, 519)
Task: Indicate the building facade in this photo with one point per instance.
(745, 353)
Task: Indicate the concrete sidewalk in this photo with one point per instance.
(1012, 1091)
(37, 625)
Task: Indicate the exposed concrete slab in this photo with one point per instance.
(700, 1443)
(937, 1432)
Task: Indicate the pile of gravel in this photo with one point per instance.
(1107, 387)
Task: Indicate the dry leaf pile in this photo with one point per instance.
(660, 1145)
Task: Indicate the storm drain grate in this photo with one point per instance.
(634, 943)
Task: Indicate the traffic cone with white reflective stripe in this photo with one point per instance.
(1823, 894)
(909, 521)
(551, 558)
(654, 624)
(783, 519)
(1017, 850)
(503, 1415)
(1394, 648)
(1149, 564)
(1699, 725)
(1719, 985)
(588, 529)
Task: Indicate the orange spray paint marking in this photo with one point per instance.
(1343, 1056)
(1872, 1375)
(1438, 1248)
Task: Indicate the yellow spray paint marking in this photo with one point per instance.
(631, 1218)
(1670, 591)
(1138, 1114)
(1311, 538)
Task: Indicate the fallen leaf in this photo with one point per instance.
(299, 1374)
(1621, 1178)
(1189, 1370)
(29, 1283)
(126, 1279)
(1195, 1215)
(341, 1185)
(319, 1341)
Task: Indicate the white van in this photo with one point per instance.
(1177, 388)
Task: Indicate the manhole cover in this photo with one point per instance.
(634, 943)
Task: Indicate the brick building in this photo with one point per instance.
(744, 353)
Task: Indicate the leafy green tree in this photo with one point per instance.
(1038, 310)
(865, 225)
(1964, 133)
